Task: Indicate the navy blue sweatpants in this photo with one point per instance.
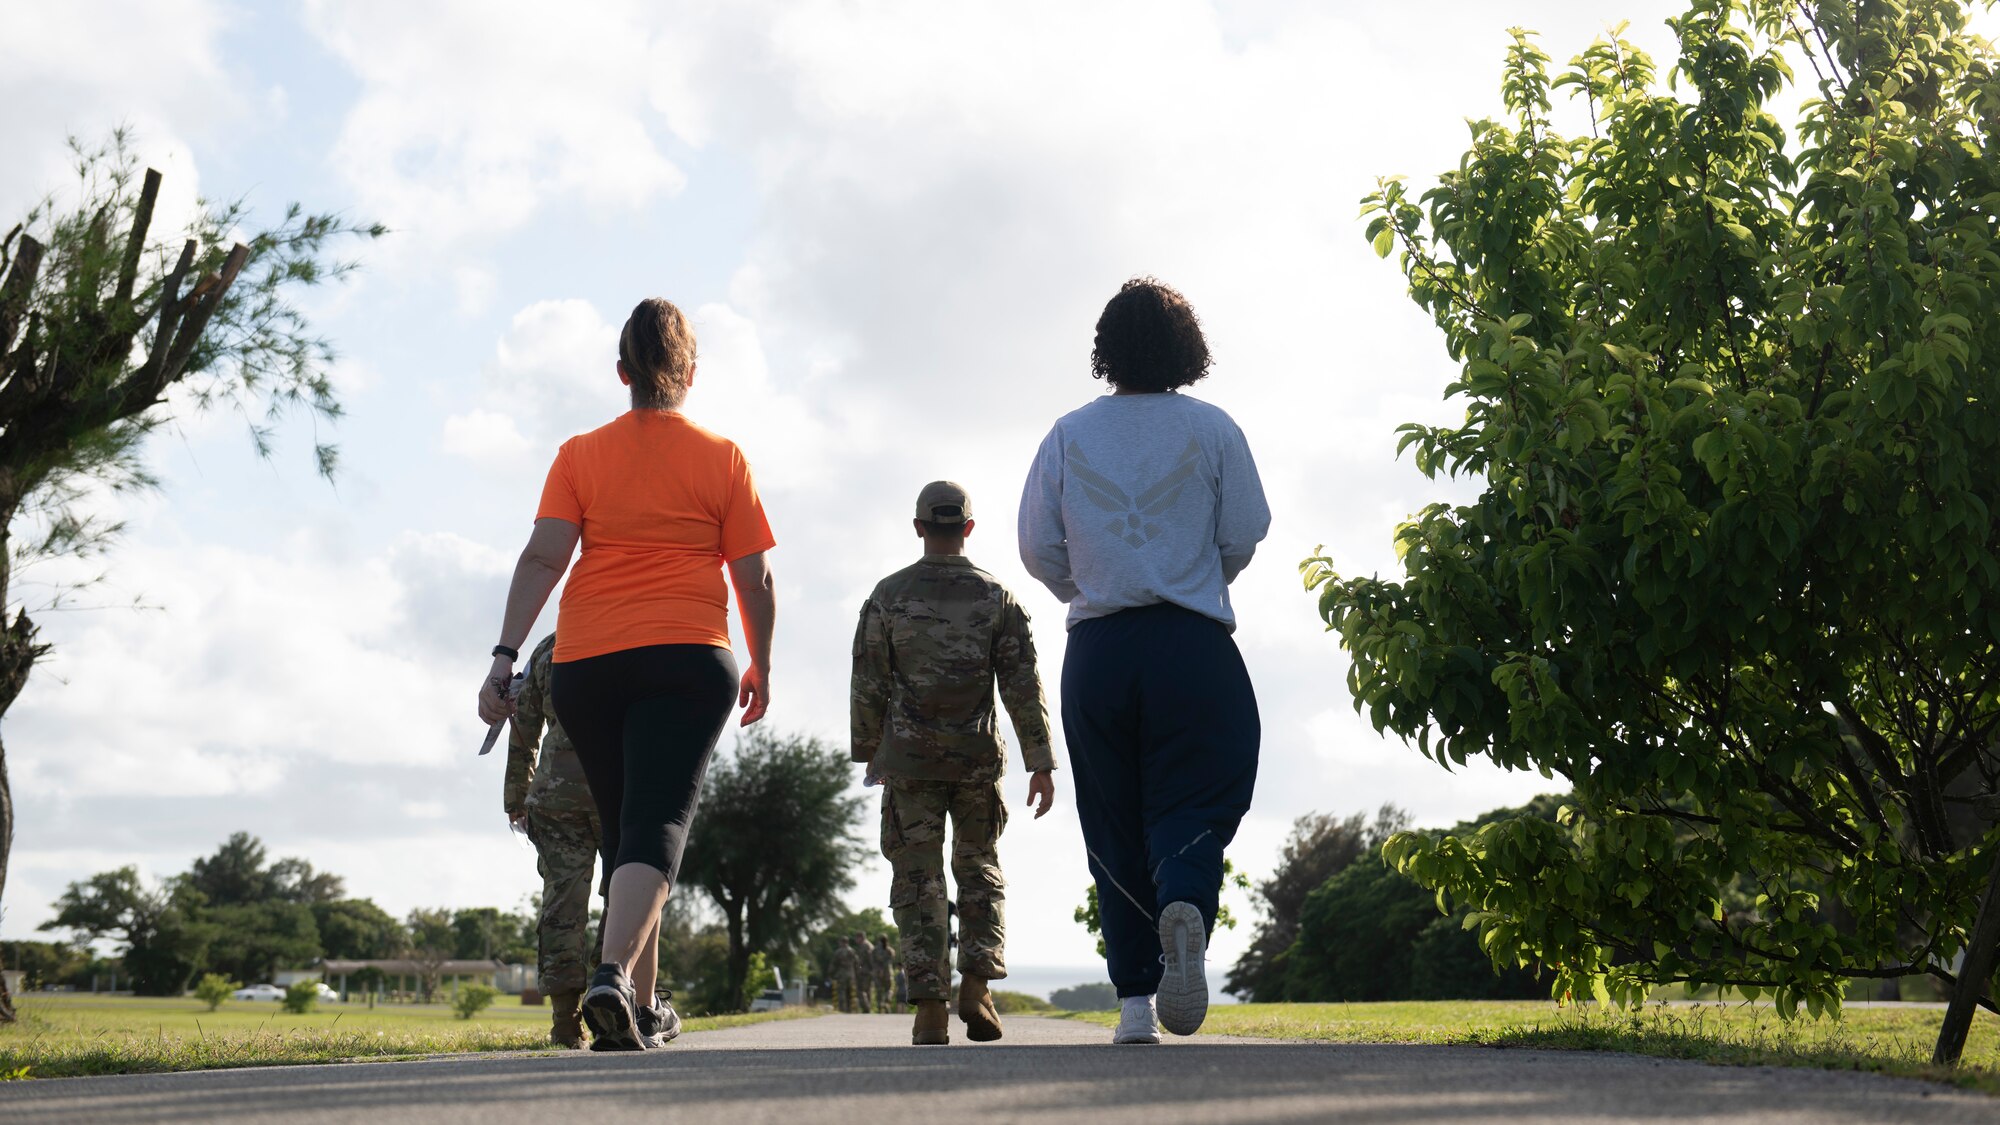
(1162, 729)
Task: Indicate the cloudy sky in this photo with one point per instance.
(894, 225)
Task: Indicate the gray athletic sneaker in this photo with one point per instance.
(1136, 1023)
(609, 1008)
(1183, 995)
(660, 1023)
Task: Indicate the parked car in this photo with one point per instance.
(258, 992)
(327, 994)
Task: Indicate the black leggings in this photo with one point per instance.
(644, 721)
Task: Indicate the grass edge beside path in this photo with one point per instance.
(1895, 1042)
(69, 1056)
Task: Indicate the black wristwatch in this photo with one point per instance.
(510, 653)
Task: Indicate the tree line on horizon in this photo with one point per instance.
(236, 913)
(769, 859)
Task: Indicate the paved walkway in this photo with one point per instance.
(861, 1069)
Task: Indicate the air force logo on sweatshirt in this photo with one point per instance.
(1134, 520)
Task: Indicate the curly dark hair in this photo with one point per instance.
(1149, 340)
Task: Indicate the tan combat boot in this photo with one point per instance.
(933, 1026)
(566, 1027)
(975, 1007)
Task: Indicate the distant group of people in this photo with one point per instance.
(865, 976)
(1139, 510)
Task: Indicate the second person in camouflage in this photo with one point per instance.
(844, 977)
(882, 960)
(932, 640)
(547, 795)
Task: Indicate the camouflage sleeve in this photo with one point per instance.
(524, 734)
(1021, 687)
(868, 691)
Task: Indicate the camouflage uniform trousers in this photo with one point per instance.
(913, 829)
(566, 843)
(884, 983)
(853, 999)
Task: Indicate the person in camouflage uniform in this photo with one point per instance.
(932, 639)
(863, 970)
(846, 977)
(882, 980)
(548, 797)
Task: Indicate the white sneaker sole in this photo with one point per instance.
(1183, 995)
(1122, 1037)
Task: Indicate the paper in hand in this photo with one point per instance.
(493, 732)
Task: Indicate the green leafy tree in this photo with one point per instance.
(1085, 998)
(1320, 846)
(252, 941)
(477, 933)
(488, 933)
(473, 998)
(1371, 933)
(775, 844)
(43, 963)
(213, 988)
(295, 880)
(163, 937)
(1733, 392)
(697, 969)
(431, 942)
(357, 929)
(1020, 1003)
(100, 321)
(237, 875)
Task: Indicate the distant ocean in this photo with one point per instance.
(1040, 980)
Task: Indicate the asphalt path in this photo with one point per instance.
(862, 1069)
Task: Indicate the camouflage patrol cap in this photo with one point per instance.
(942, 501)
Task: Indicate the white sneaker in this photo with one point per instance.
(1183, 999)
(1135, 1022)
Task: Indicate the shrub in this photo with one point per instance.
(213, 989)
(301, 996)
(1085, 998)
(473, 999)
(757, 977)
(1010, 1003)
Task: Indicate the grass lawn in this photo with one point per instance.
(66, 1034)
(1887, 1040)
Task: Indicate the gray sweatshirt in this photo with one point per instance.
(1140, 499)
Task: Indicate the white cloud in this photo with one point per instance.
(475, 115)
(82, 68)
(318, 696)
(482, 435)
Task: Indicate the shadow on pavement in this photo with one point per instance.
(1193, 1081)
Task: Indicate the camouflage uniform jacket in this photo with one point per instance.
(555, 782)
(931, 641)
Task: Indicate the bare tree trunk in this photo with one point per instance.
(18, 653)
(739, 950)
(7, 1014)
(1973, 974)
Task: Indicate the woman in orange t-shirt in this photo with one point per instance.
(643, 679)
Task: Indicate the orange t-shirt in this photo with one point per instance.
(663, 505)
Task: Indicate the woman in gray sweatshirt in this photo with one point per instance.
(1140, 509)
